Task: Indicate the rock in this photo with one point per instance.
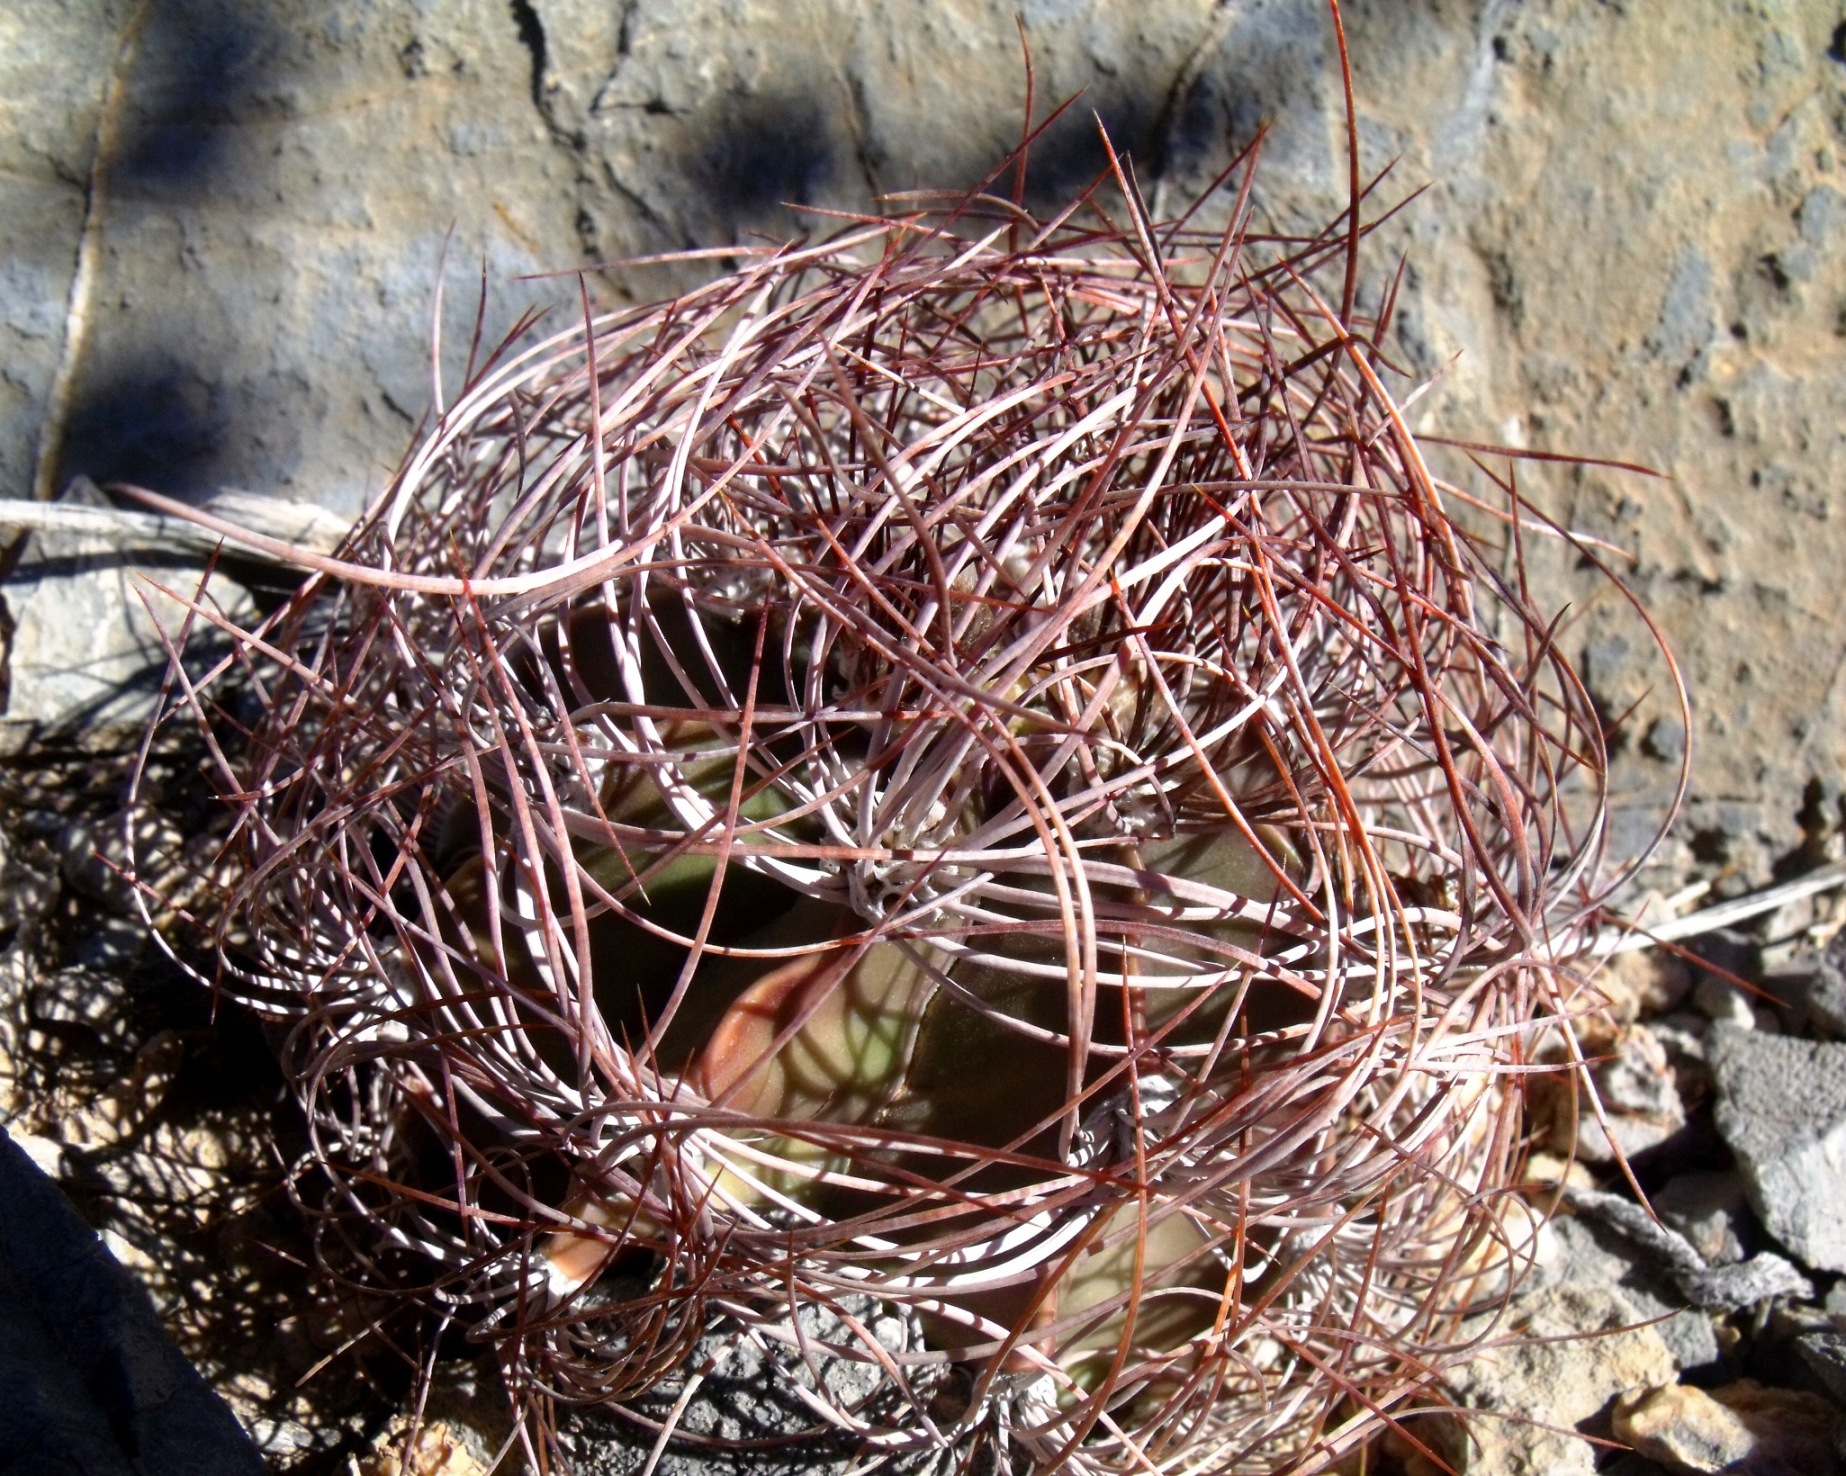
(1594, 1256)
(93, 1386)
(1640, 1099)
(1647, 981)
(93, 854)
(1723, 1003)
(87, 651)
(1791, 982)
(1724, 1288)
(1782, 1109)
(1601, 1323)
(435, 1449)
(1717, 993)
(1708, 1209)
(1826, 994)
(1742, 1428)
(1636, 1087)
(1825, 1353)
(745, 1407)
(1682, 1035)
(28, 881)
(1682, 1427)
(1526, 1396)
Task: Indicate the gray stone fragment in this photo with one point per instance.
(1708, 1209)
(1825, 1353)
(1596, 1258)
(92, 1385)
(1640, 1100)
(1715, 1288)
(1792, 983)
(1782, 1109)
(1826, 993)
(1723, 1003)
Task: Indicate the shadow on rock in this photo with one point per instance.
(197, 68)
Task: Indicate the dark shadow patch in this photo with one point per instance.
(199, 1188)
(1071, 153)
(1270, 68)
(200, 70)
(761, 152)
(152, 421)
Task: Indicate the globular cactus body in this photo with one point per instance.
(967, 765)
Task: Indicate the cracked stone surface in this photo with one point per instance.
(1632, 239)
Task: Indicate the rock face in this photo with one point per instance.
(1782, 1109)
(93, 1387)
(1633, 241)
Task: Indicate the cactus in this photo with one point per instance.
(966, 764)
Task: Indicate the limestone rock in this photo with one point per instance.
(1782, 1110)
(1742, 1428)
(1524, 1396)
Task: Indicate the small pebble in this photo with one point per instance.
(1640, 1099)
(1723, 1003)
(1706, 1208)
